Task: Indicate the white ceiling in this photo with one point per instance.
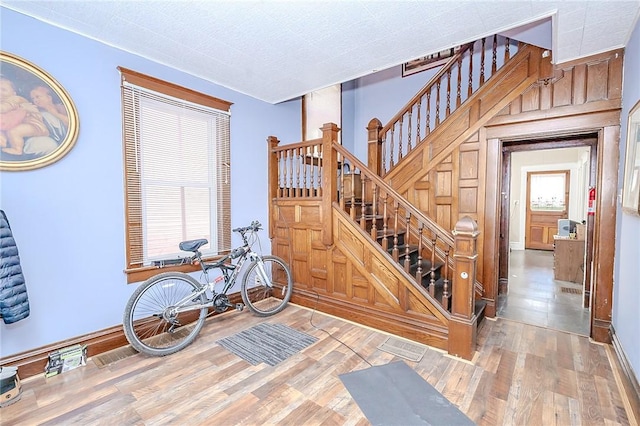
(278, 50)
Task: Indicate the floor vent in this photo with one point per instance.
(571, 290)
(107, 358)
(403, 349)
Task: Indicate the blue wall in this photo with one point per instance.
(626, 290)
(68, 218)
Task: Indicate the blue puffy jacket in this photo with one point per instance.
(14, 303)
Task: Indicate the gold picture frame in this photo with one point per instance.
(429, 61)
(38, 120)
(631, 183)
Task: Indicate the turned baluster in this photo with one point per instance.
(448, 110)
(438, 103)
(470, 90)
(432, 272)
(507, 54)
(400, 139)
(363, 206)
(419, 270)
(494, 61)
(428, 129)
(407, 260)
(352, 176)
(482, 62)
(418, 121)
(409, 131)
(445, 288)
(374, 206)
(291, 175)
(298, 160)
(391, 162)
(458, 95)
(394, 252)
(385, 226)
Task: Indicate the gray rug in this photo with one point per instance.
(268, 343)
(394, 394)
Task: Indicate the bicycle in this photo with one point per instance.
(166, 313)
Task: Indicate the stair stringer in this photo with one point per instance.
(499, 91)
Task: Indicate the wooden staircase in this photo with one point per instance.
(359, 246)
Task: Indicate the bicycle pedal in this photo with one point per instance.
(239, 307)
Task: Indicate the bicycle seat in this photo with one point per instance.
(192, 245)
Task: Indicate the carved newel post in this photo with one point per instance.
(274, 185)
(329, 179)
(375, 146)
(462, 326)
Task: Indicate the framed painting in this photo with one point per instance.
(428, 62)
(631, 183)
(38, 120)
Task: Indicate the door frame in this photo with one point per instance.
(603, 163)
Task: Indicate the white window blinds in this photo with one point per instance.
(177, 175)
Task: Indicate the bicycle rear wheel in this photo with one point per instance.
(262, 299)
(150, 324)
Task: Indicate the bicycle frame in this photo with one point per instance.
(230, 274)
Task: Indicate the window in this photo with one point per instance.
(177, 171)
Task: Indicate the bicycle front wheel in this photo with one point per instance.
(152, 325)
(267, 286)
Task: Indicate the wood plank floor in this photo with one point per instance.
(521, 375)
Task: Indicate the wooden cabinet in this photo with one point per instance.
(568, 262)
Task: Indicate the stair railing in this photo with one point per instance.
(467, 70)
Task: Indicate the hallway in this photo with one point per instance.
(535, 298)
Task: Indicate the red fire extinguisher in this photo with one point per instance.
(592, 202)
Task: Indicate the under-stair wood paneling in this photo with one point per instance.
(353, 279)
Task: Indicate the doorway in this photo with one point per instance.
(528, 290)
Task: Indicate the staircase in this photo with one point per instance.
(359, 245)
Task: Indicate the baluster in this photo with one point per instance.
(445, 288)
(507, 54)
(391, 162)
(306, 192)
(458, 96)
(428, 129)
(384, 153)
(291, 161)
(448, 110)
(494, 60)
(409, 131)
(374, 226)
(400, 138)
(470, 91)
(363, 215)
(432, 272)
(438, 103)
(482, 62)
(281, 182)
(298, 157)
(394, 252)
(319, 171)
(407, 260)
(385, 226)
(352, 176)
(418, 121)
(419, 270)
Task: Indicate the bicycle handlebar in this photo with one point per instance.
(255, 226)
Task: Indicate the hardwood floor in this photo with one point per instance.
(521, 375)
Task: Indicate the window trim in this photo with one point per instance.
(140, 273)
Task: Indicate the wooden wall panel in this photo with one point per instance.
(597, 79)
(563, 90)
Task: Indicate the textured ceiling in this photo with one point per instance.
(278, 50)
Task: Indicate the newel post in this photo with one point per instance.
(375, 146)
(274, 185)
(462, 325)
(329, 179)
